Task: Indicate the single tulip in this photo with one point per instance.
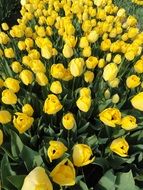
(12, 84)
(110, 117)
(82, 155)
(84, 103)
(64, 173)
(129, 122)
(5, 117)
(28, 110)
(56, 87)
(8, 97)
(41, 79)
(133, 81)
(37, 179)
(76, 66)
(56, 150)
(137, 101)
(68, 121)
(120, 146)
(26, 76)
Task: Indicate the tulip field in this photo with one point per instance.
(71, 95)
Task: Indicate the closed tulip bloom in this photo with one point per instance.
(58, 71)
(12, 84)
(86, 51)
(117, 59)
(37, 179)
(84, 103)
(38, 66)
(85, 92)
(67, 51)
(110, 117)
(129, 122)
(64, 173)
(1, 137)
(22, 122)
(76, 66)
(8, 97)
(5, 26)
(133, 81)
(82, 154)
(138, 67)
(110, 72)
(120, 146)
(28, 110)
(41, 79)
(52, 104)
(46, 52)
(26, 76)
(93, 36)
(16, 67)
(89, 76)
(9, 53)
(83, 42)
(56, 150)
(137, 101)
(91, 62)
(114, 83)
(56, 87)
(68, 121)
(5, 117)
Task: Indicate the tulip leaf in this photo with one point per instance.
(31, 158)
(108, 181)
(16, 144)
(83, 185)
(6, 171)
(17, 180)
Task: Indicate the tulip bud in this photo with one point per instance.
(28, 110)
(115, 98)
(68, 121)
(26, 76)
(67, 51)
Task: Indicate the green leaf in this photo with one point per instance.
(31, 158)
(125, 181)
(83, 185)
(17, 180)
(5, 172)
(16, 144)
(107, 182)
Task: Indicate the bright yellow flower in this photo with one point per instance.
(83, 42)
(115, 98)
(9, 53)
(56, 87)
(8, 97)
(37, 179)
(16, 67)
(76, 66)
(84, 103)
(89, 76)
(137, 101)
(120, 147)
(130, 55)
(26, 76)
(52, 104)
(82, 155)
(86, 51)
(114, 83)
(46, 52)
(67, 51)
(133, 81)
(38, 66)
(129, 122)
(110, 117)
(22, 122)
(91, 62)
(117, 59)
(101, 63)
(1, 137)
(58, 71)
(5, 26)
(138, 67)
(68, 121)
(21, 45)
(85, 92)
(93, 36)
(56, 150)
(5, 117)
(64, 173)
(110, 72)
(12, 84)
(41, 79)
(28, 110)
(108, 57)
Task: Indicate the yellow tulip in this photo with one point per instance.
(16, 67)
(8, 97)
(129, 122)
(137, 101)
(56, 150)
(22, 122)
(133, 81)
(76, 66)
(9, 53)
(56, 87)
(68, 121)
(64, 173)
(37, 179)
(12, 84)
(67, 51)
(58, 71)
(41, 79)
(91, 62)
(83, 42)
(93, 36)
(89, 76)
(138, 67)
(5, 117)
(84, 103)
(52, 104)
(5, 26)
(38, 66)
(85, 92)
(110, 117)
(120, 147)
(46, 52)
(28, 110)
(82, 155)
(26, 76)
(110, 72)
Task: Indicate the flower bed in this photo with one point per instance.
(71, 97)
